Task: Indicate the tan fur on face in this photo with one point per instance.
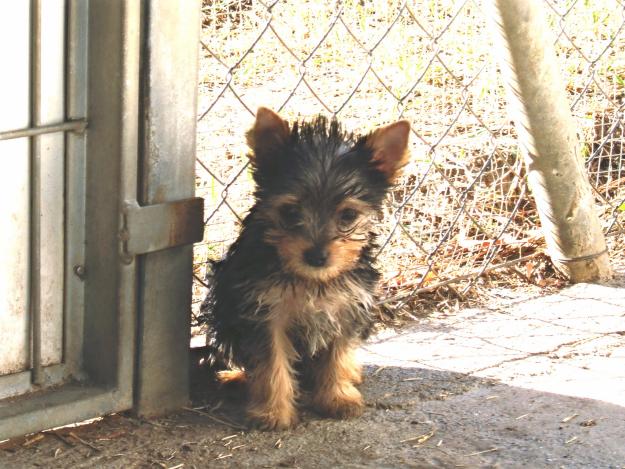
(335, 373)
(344, 251)
(272, 383)
(343, 256)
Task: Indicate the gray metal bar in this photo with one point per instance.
(17, 384)
(103, 324)
(77, 126)
(75, 183)
(43, 410)
(35, 249)
(132, 16)
(168, 172)
(112, 149)
(51, 156)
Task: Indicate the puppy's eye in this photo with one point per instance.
(290, 215)
(347, 216)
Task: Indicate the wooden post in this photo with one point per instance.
(546, 129)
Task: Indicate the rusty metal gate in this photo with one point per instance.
(97, 124)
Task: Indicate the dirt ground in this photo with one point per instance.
(534, 381)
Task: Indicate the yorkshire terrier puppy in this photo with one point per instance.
(293, 296)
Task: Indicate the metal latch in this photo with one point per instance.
(155, 227)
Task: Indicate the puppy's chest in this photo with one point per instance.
(313, 317)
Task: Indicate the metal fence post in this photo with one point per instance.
(547, 134)
(169, 89)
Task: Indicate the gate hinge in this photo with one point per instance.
(155, 227)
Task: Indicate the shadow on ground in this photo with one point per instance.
(414, 418)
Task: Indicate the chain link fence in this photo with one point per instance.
(462, 208)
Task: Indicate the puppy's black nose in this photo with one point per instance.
(316, 257)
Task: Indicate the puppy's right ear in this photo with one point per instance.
(268, 134)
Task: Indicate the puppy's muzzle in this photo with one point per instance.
(316, 256)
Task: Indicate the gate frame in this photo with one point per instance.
(140, 100)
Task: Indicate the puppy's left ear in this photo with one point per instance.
(389, 145)
(267, 135)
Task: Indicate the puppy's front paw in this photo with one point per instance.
(273, 419)
(340, 402)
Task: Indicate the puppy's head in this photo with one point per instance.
(318, 188)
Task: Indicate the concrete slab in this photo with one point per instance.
(572, 343)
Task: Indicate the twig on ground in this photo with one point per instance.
(492, 450)
(84, 442)
(228, 423)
